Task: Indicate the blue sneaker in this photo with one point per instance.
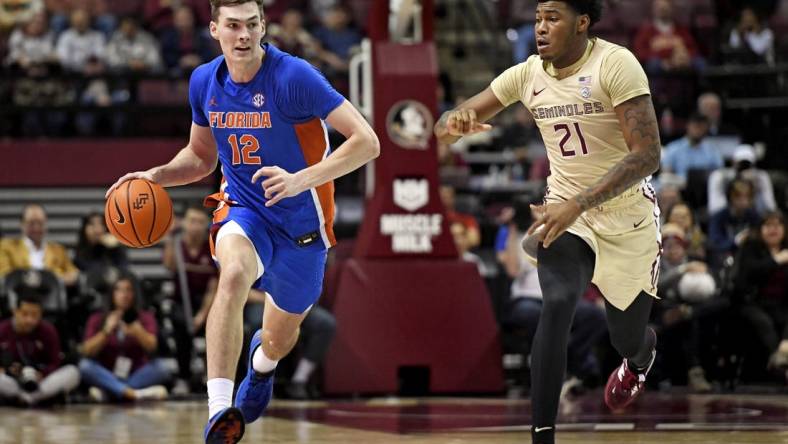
(255, 390)
(226, 427)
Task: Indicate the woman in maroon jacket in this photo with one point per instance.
(761, 285)
(118, 348)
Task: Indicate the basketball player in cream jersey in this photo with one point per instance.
(599, 221)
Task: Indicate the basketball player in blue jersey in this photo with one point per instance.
(261, 113)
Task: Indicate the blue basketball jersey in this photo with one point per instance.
(276, 119)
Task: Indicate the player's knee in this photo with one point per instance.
(275, 347)
(235, 274)
(558, 303)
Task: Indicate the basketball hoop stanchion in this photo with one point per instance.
(404, 298)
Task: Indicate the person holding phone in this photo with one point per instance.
(118, 350)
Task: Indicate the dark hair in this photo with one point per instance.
(755, 233)
(669, 212)
(737, 185)
(522, 212)
(135, 288)
(28, 295)
(592, 8)
(82, 240)
(697, 117)
(216, 4)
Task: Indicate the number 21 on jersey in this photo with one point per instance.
(568, 152)
(246, 152)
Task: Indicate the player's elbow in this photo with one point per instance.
(656, 160)
(650, 158)
(372, 144)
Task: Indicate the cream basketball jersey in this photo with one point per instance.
(574, 110)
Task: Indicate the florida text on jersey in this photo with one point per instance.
(276, 119)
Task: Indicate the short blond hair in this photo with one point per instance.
(216, 4)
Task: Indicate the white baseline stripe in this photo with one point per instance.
(614, 427)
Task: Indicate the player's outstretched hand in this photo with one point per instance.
(463, 122)
(279, 184)
(128, 176)
(556, 217)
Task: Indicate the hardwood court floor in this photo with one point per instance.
(662, 419)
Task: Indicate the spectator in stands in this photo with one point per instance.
(710, 105)
(521, 132)
(60, 12)
(744, 168)
(319, 9)
(188, 252)
(133, 49)
(668, 195)
(194, 258)
(118, 348)
(688, 294)
(31, 369)
(525, 306)
(522, 16)
(761, 283)
(19, 12)
(460, 236)
(472, 234)
(729, 227)
(681, 215)
(34, 251)
(31, 44)
(124, 8)
(275, 9)
(662, 45)
(317, 332)
(337, 36)
(183, 46)
(692, 152)
(290, 36)
(79, 48)
(96, 247)
(160, 14)
(751, 40)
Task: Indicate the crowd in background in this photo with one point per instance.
(97, 55)
(90, 319)
(723, 317)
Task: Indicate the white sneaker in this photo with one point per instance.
(96, 394)
(157, 392)
(181, 388)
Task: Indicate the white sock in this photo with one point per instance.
(303, 371)
(220, 395)
(261, 363)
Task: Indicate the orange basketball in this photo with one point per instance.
(138, 213)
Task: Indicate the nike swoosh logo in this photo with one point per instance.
(541, 429)
(536, 93)
(121, 217)
(638, 224)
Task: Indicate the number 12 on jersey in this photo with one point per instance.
(246, 153)
(568, 152)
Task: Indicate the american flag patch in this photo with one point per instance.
(585, 80)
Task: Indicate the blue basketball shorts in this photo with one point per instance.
(291, 273)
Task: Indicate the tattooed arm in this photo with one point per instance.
(468, 118)
(639, 124)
